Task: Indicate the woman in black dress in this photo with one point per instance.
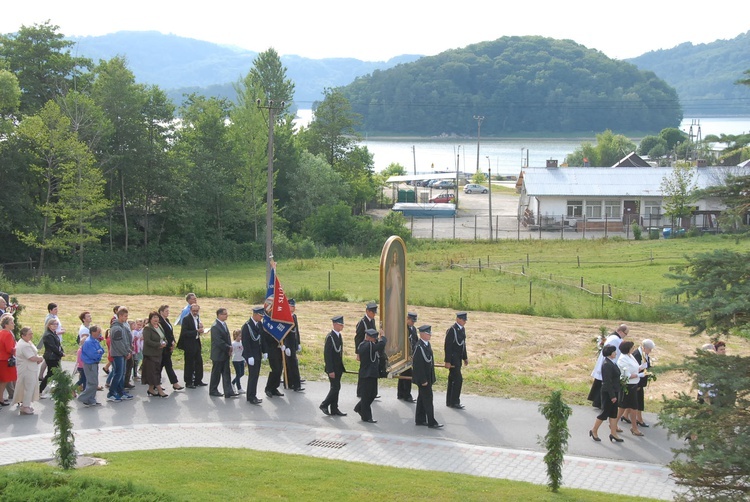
(610, 391)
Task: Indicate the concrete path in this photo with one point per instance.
(492, 437)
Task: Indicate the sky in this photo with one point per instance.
(380, 30)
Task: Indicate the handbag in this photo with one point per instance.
(11, 361)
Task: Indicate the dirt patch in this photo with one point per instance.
(547, 348)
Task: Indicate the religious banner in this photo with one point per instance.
(393, 304)
(277, 320)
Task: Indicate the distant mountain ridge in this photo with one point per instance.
(179, 65)
(704, 75)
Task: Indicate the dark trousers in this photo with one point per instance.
(51, 364)
(166, 364)
(274, 377)
(292, 380)
(369, 391)
(455, 382)
(253, 373)
(129, 363)
(193, 366)
(425, 413)
(220, 371)
(404, 386)
(239, 372)
(332, 399)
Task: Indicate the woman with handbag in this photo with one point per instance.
(7, 355)
(28, 360)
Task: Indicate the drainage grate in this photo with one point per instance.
(326, 444)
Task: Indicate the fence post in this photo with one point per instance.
(433, 227)
(581, 282)
(497, 229)
(579, 261)
(602, 296)
(454, 226)
(480, 264)
(412, 226)
(562, 227)
(584, 226)
(518, 230)
(461, 290)
(530, 283)
(475, 227)
(606, 225)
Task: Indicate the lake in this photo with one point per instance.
(503, 156)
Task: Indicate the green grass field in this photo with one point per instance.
(234, 474)
(526, 277)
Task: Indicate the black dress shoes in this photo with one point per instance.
(457, 406)
(422, 423)
(255, 400)
(338, 413)
(435, 426)
(324, 409)
(274, 392)
(370, 421)
(227, 396)
(299, 389)
(201, 384)
(216, 394)
(190, 386)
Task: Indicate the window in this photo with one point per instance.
(652, 207)
(612, 208)
(575, 208)
(593, 209)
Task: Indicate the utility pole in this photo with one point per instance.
(271, 107)
(479, 120)
(489, 194)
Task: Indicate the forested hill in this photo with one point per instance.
(519, 85)
(705, 75)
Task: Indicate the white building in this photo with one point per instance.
(600, 197)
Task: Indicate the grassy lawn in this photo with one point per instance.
(235, 474)
(525, 277)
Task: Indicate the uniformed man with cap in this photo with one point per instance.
(404, 384)
(252, 352)
(333, 353)
(369, 370)
(455, 357)
(423, 365)
(293, 345)
(367, 322)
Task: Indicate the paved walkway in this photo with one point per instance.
(491, 437)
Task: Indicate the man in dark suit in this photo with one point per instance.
(455, 357)
(333, 353)
(273, 350)
(252, 352)
(221, 350)
(292, 345)
(367, 322)
(190, 342)
(369, 371)
(404, 384)
(423, 369)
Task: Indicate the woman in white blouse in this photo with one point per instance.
(27, 363)
(628, 401)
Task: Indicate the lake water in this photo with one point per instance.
(503, 156)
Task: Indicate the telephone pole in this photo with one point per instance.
(271, 107)
(479, 120)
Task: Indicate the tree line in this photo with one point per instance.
(98, 169)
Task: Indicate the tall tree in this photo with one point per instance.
(122, 152)
(70, 200)
(715, 461)
(268, 75)
(40, 57)
(332, 131)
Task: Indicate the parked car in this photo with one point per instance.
(471, 188)
(443, 197)
(444, 184)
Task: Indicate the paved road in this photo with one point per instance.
(492, 437)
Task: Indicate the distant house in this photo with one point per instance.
(608, 197)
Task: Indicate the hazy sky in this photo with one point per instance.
(379, 30)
